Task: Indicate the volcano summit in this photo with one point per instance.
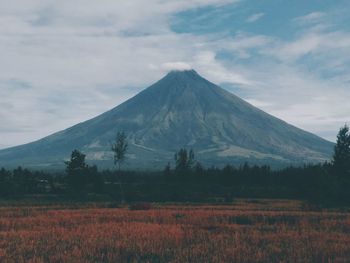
(180, 110)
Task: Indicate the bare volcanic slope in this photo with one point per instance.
(180, 110)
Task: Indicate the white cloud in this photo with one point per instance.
(258, 103)
(313, 17)
(176, 66)
(300, 97)
(255, 17)
(63, 62)
(312, 43)
(73, 52)
(241, 44)
(212, 69)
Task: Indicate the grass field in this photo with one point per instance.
(245, 231)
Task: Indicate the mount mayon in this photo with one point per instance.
(180, 110)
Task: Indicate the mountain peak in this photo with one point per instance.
(182, 109)
(183, 73)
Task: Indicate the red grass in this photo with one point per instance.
(245, 232)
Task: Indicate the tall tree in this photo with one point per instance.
(184, 160)
(76, 163)
(75, 168)
(119, 148)
(341, 157)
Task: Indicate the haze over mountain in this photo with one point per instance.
(180, 110)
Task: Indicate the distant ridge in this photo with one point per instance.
(180, 110)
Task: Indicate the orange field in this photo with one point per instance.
(246, 231)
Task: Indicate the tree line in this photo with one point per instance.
(188, 180)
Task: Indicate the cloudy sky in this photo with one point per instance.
(63, 62)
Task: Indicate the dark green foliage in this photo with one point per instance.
(184, 161)
(198, 169)
(341, 157)
(167, 169)
(96, 179)
(313, 182)
(22, 182)
(77, 164)
(119, 148)
(5, 182)
(76, 170)
(322, 183)
(80, 176)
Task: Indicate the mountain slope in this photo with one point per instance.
(182, 109)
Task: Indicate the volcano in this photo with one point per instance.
(180, 110)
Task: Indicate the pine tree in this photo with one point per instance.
(341, 157)
(76, 168)
(184, 160)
